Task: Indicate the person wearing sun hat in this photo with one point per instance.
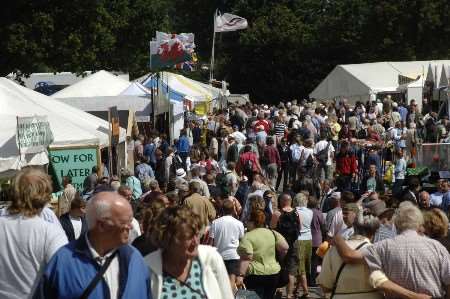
(180, 178)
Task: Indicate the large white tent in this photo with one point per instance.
(102, 90)
(70, 126)
(101, 83)
(136, 89)
(363, 81)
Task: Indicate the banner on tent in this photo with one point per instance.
(33, 134)
(75, 162)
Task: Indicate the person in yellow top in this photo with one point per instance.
(258, 263)
(335, 128)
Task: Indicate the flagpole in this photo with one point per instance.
(211, 68)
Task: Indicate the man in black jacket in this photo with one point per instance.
(74, 222)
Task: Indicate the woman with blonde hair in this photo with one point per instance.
(436, 226)
(181, 267)
(150, 213)
(28, 241)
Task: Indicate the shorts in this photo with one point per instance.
(232, 266)
(291, 261)
(304, 251)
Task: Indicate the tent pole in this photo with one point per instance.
(211, 68)
(110, 156)
(18, 143)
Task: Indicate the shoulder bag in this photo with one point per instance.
(97, 277)
(340, 271)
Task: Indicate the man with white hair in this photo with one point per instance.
(101, 264)
(407, 264)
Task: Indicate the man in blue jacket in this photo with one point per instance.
(75, 266)
(183, 147)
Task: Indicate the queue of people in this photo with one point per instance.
(273, 199)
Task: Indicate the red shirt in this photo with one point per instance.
(244, 158)
(264, 123)
(272, 155)
(346, 163)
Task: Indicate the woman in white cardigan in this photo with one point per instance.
(182, 268)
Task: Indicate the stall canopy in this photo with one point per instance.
(101, 83)
(99, 106)
(136, 89)
(361, 81)
(70, 126)
(106, 90)
(181, 88)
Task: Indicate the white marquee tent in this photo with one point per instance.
(101, 83)
(136, 89)
(363, 81)
(102, 90)
(70, 126)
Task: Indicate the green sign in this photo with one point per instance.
(76, 163)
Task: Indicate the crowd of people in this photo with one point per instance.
(274, 199)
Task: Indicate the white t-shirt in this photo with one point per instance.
(239, 137)
(77, 225)
(135, 231)
(306, 216)
(321, 145)
(26, 246)
(226, 232)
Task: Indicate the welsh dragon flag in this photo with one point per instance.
(167, 50)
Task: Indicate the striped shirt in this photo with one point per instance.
(415, 262)
(280, 128)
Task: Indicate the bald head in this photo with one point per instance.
(107, 206)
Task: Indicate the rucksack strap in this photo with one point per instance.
(340, 271)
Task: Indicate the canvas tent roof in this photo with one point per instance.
(136, 89)
(181, 87)
(141, 105)
(70, 126)
(361, 80)
(101, 83)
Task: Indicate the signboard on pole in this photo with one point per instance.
(74, 162)
(33, 134)
(115, 127)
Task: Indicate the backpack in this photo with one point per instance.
(289, 226)
(248, 166)
(222, 183)
(309, 162)
(233, 153)
(322, 155)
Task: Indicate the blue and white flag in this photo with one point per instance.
(229, 22)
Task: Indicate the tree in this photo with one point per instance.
(80, 35)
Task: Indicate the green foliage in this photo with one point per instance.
(287, 50)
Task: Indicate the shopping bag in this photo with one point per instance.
(246, 294)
